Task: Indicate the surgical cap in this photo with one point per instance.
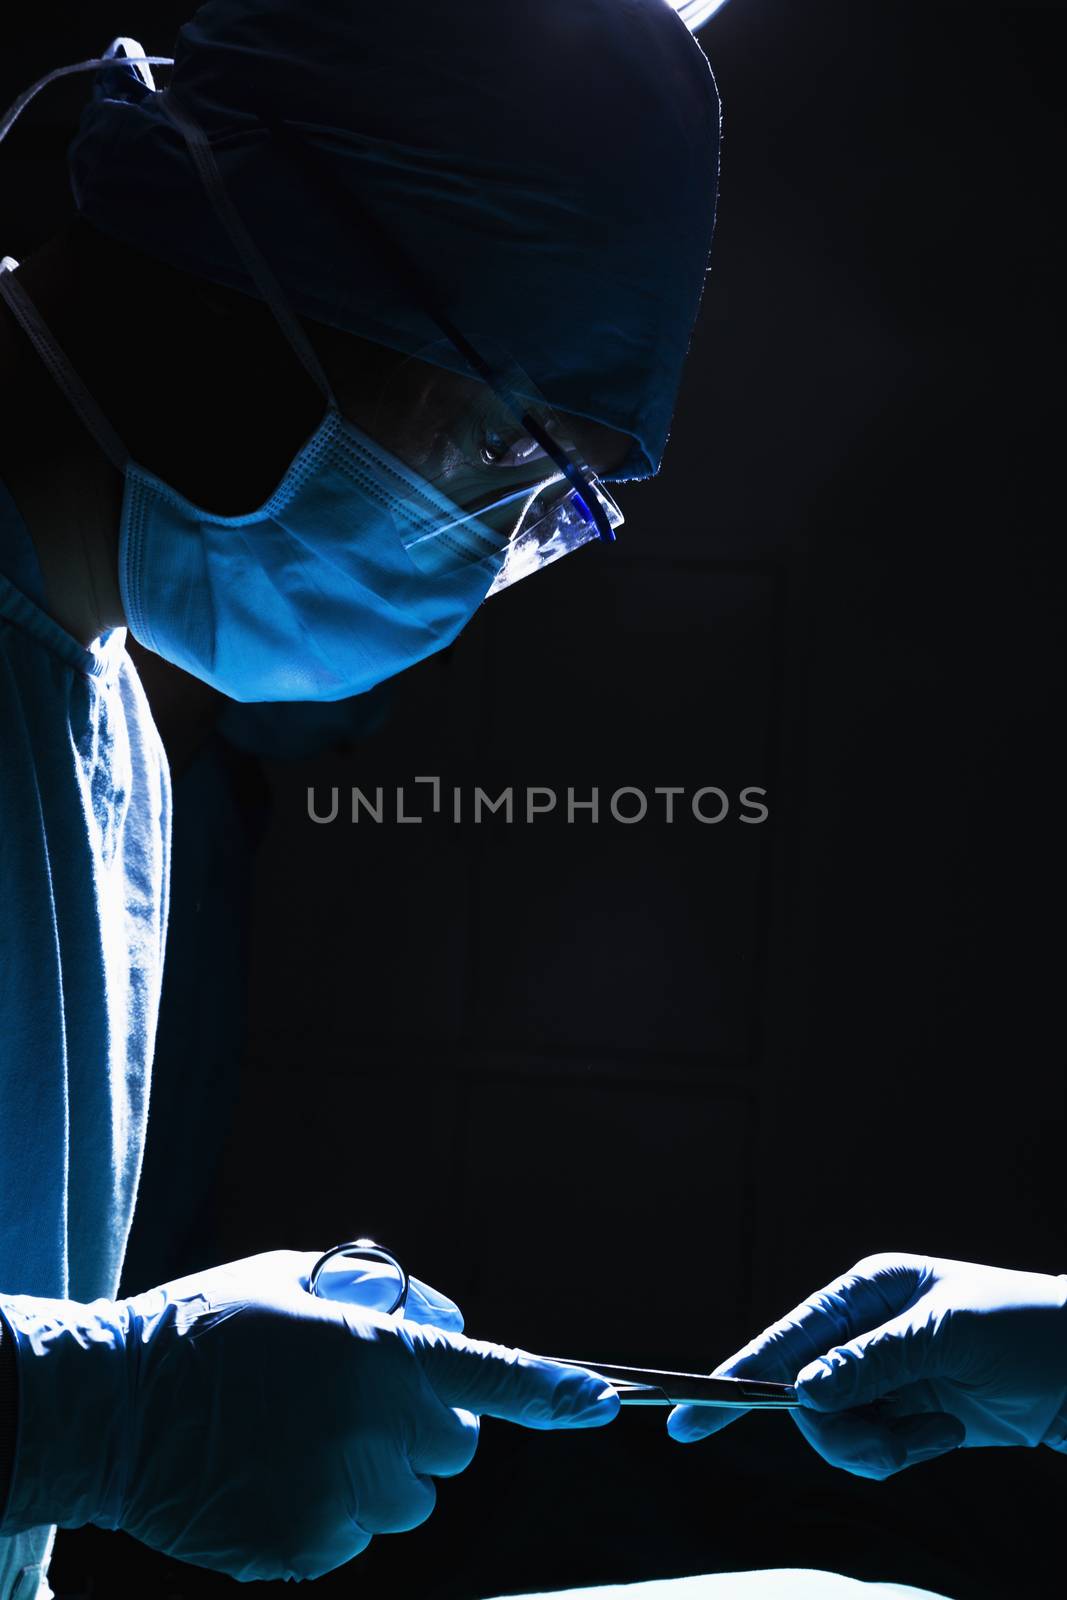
(550, 166)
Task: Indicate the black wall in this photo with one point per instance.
(530, 1055)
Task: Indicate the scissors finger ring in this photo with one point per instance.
(362, 1250)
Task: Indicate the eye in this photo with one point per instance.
(513, 449)
(494, 448)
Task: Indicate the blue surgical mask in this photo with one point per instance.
(354, 569)
(343, 578)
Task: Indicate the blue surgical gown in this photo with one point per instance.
(84, 857)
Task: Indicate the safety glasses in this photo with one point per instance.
(497, 488)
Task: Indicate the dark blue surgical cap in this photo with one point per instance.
(550, 165)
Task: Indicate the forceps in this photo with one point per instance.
(635, 1386)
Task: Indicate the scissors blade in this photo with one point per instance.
(648, 1386)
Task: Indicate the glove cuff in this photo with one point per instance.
(1055, 1435)
(74, 1407)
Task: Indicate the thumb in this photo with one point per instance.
(870, 1366)
(689, 1423)
(427, 1304)
(493, 1380)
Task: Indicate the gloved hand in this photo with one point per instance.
(233, 1420)
(906, 1357)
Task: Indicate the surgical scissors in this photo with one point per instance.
(635, 1386)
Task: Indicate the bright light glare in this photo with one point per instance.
(694, 13)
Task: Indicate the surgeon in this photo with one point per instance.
(356, 315)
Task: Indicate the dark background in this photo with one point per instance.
(530, 1056)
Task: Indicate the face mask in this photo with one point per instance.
(354, 569)
(315, 596)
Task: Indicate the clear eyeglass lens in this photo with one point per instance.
(554, 523)
(359, 1281)
(502, 494)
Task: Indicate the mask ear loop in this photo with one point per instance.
(200, 149)
(60, 366)
(22, 308)
(133, 56)
(248, 252)
(33, 325)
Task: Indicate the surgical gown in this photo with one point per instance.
(84, 855)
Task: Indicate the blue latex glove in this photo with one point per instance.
(907, 1357)
(233, 1420)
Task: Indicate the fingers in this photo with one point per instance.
(492, 1380)
(876, 1288)
(391, 1465)
(873, 1447)
(427, 1304)
(389, 1496)
(416, 1438)
(870, 1366)
(445, 1439)
(687, 1424)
